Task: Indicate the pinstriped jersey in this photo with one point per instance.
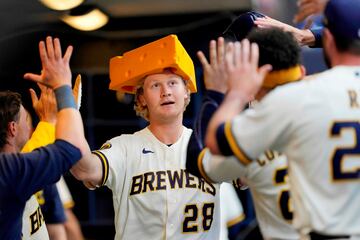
(154, 196)
(315, 123)
(268, 182)
(231, 209)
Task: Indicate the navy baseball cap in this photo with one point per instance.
(241, 26)
(342, 18)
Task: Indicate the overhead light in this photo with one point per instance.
(61, 5)
(86, 18)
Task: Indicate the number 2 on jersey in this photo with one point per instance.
(191, 211)
(341, 153)
(284, 196)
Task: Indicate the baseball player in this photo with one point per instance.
(154, 196)
(314, 123)
(21, 175)
(266, 177)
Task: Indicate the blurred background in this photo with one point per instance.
(122, 26)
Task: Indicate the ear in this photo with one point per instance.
(303, 71)
(328, 40)
(142, 100)
(12, 129)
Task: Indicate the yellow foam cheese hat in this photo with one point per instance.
(152, 58)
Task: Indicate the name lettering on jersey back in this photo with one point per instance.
(353, 98)
(267, 157)
(36, 220)
(173, 179)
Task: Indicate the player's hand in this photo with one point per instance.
(299, 34)
(45, 107)
(214, 72)
(55, 67)
(245, 78)
(308, 8)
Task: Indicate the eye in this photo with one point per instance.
(155, 85)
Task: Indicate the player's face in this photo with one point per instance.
(164, 95)
(24, 128)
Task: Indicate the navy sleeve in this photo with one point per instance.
(25, 174)
(52, 209)
(210, 103)
(318, 31)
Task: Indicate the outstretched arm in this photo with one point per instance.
(303, 36)
(56, 74)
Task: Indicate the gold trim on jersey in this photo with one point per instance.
(234, 146)
(105, 166)
(236, 220)
(69, 205)
(280, 77)
(201, 167)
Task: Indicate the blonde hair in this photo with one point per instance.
(142, 110)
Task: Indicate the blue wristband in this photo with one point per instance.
(64, 97)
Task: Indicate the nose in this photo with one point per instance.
(165, 92)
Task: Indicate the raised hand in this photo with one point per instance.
(45, 107)
(215, 77)
(308, 8)
(55, 67)
(244, 76)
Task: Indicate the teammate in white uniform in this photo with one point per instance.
(154, 196)
(266, 177)
(232, 212)
(314, 123)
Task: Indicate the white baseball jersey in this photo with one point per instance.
(315, 123)
(64, 194)
(154, 197)
(34, 226)
(230, 208)
(268, 182)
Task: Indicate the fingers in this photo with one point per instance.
(57, 49)
(42, 87)
(202, 59)
(34, 98)
(245, 51)
(254, 55)
(33, 77)
(264, 70)
(43, 53)
(36, 78)
(68, 54)
(212, 52)
(220, 50)
(50, 48)
(229, 56)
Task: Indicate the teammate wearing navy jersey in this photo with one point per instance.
(21, 175)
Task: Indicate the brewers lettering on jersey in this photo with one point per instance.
(153, 196)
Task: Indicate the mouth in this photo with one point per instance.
(167, 103)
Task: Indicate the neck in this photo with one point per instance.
(346, 59)
(9, 148)
(167, 133)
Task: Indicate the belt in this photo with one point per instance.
(319, 236)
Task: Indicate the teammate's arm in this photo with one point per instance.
(244, 81)
(56, 73)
